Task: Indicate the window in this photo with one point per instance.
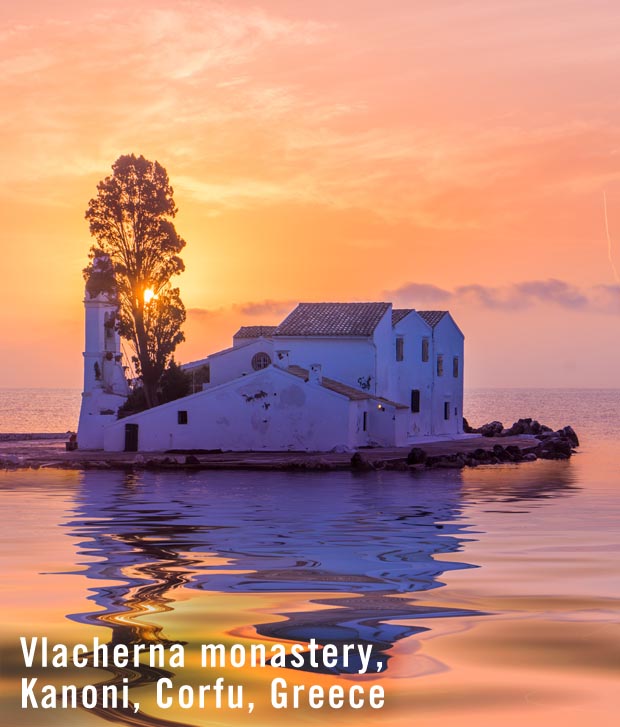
(446, 410)
(425, 347)
(455, 367)
(439, 364)
(260, 361)
(181, 416)
(365, 421)
(415, 400)
(400, 348)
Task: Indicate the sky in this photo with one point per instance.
(452, 155)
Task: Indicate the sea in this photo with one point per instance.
(483, 597)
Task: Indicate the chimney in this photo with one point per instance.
(282, 359)
(314, 374)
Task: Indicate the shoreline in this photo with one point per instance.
(31, 451)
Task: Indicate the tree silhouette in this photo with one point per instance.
(131, 220)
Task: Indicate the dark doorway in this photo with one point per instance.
(131, 437)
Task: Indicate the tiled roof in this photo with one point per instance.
(399, 313)
(340, 388)
(432, 317)
(255, 331)
(332, 319)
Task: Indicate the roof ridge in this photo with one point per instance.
(333, 319)
(340, 387)
(432, 317)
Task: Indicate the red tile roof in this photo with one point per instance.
(332, 319)
(255, 331)
(432, 317)
(399, 313)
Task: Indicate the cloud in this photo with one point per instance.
(420, 292)
(556, 291)
(606, 298)
(515, 297)
(203, 313)
(266, 307)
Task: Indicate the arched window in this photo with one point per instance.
(260, 361)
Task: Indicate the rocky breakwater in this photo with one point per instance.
(546, 444)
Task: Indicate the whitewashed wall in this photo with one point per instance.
(387, 425)
(383, 340)
(350, 360)
(414, 373)
(449, 341)
(268, 410)
(235, 362)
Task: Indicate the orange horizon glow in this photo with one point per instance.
(460, 156)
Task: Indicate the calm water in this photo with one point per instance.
(39, 410)
(491, 594)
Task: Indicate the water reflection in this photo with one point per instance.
(371, 538)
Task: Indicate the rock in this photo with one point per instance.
(191, 459)
(529, 457)
(557, 446)
(515, 452)
(492, 429)
(447, 461)
(562, 446)
(571, 435)
(359, 464)
(523, 426)
(416, 456)
(482, 455)
(516, 429)
(398, 465)
(467, 428)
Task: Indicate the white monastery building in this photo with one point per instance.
(329, 376)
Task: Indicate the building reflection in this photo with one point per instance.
(370, 540)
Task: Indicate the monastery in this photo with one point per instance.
(330, 376)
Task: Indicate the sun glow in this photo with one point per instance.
(149, 295)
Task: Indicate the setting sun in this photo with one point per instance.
(149, 295)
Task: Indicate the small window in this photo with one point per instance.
(455, 367)
(365, 421)
(260, 361)
(425, 347)
(439, 364)
(415, 400)
(181, 416)
(446, 410)
(400, 348)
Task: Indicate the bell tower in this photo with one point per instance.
(105, 386)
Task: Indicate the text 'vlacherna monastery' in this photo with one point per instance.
(330, 375)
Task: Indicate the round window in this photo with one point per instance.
(260, 361)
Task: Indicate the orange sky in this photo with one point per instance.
(441, 155)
